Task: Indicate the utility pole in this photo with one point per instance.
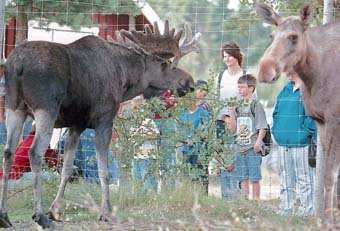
(2, 28)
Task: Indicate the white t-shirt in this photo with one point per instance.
(228, 87)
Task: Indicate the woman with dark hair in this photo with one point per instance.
(227, 79)
(227, 89)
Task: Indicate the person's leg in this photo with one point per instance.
(241, 173)
(150, 179)
(256, 190)
(225, 184)
(245, 188)
(303, 181)
(136, 172)
(113, 169)
(287, 181)
(254, 161)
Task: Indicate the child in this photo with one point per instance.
(251, 127)
(226, 167)
(145, 139)
(192, 122)
(166, 124)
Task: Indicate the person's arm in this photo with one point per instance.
(2, 109)
(260, 125)
(230, 122)
(258, 142)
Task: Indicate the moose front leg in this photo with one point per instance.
(332, 161)
(103, 138)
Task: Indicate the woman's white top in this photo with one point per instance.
(228, 86)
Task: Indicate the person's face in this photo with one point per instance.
(227, 121)
(229, 60)
(244, 90)
(292, 76)
(200, 93)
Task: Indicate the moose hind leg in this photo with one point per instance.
(71, 145)
(103, 138)
(14, 124)
(44, 128)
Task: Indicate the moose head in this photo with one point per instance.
(288, 47)
(162, 48)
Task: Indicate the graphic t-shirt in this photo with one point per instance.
(248, 123)
(245, 128)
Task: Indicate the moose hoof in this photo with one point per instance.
(42, 220)
(54, 216)
(4, 221)
(104, 218)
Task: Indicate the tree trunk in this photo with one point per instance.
(320, 161)
(21, 23)
(319, 181)
(328, 11)
(2, 28)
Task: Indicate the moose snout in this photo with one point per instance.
(268, 71)
(185, 86)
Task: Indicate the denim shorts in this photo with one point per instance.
(248, 166)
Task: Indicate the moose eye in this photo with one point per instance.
(293, 38)
(271, 36)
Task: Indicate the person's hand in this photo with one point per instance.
(218, 172)
(258, 147)
(189, 142)
(230, 167)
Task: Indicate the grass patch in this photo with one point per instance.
(183, 207)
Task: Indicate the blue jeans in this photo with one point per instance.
(229, 184)
(143, 174)
(248, 166)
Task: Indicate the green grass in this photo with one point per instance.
(182, 208)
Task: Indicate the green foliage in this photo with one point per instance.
(127, 142)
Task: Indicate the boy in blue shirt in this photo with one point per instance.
(191, 123)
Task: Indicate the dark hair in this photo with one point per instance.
(232, 49)
(249, 80)
(201, 84)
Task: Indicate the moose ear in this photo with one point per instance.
(305, 14)
(267, 14)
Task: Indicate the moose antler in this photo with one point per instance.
(188, 44)
(166, 45)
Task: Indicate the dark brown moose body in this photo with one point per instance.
(314, 53)
(79, 86)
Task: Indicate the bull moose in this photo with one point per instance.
(314, 53)
(80, 85)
